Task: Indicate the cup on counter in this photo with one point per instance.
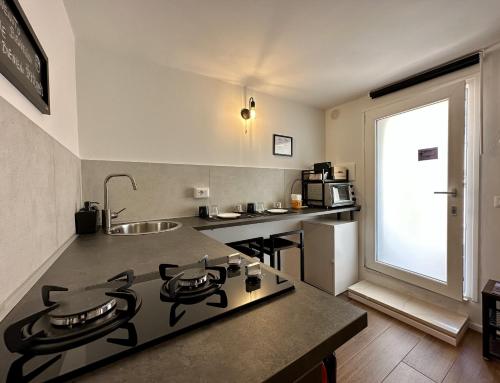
(296, 201)
(214, 211)
(277, 205)
(238, 208)
(203, 211)
(251, 207)
(259, 207)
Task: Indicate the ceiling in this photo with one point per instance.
(318, 52)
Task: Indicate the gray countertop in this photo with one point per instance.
(204, 224)
(276, 340)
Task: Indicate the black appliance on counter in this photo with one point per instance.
(87, 218)
(323, 168)
(81, 329)
(326, 193)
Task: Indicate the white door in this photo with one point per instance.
(414, 173)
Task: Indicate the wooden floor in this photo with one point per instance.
(390, 351)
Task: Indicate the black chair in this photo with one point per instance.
(253, 247)
(276, 243)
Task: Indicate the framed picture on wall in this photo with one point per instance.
(23, 62)
(282, 145)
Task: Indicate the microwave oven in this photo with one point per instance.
(330, 194)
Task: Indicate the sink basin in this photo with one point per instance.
(146, 227)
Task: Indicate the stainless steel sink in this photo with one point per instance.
(146, 227)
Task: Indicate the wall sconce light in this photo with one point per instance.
(249, 112)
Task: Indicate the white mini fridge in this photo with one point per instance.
(330, 254)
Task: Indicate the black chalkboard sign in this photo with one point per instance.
(22, 59)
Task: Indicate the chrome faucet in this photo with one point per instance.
(107, 214)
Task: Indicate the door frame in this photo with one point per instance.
(455, 93)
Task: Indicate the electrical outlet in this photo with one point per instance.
(496, 201)
(201, 192)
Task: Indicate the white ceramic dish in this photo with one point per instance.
(277, 211)
(229, 215)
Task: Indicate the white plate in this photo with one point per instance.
(277, 211)
(229, 215)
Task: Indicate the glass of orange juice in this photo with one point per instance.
(296, 201)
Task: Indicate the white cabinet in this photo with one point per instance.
(331, 254)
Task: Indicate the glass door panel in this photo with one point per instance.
(411, 164)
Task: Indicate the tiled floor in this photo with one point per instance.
(392, 352)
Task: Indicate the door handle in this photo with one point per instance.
(453, 193)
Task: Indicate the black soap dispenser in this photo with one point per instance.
(86, 220)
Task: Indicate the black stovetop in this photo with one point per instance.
(152, 316)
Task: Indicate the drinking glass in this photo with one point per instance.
(214, 211)
(259, 207)
(238, 208)
(277, 205)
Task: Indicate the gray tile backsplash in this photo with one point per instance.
(166, 190)
(292, 175)
(41, 190)
(163, 190)
(68, 191)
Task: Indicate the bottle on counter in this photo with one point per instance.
(87, 219)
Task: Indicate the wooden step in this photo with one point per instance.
(434, 320)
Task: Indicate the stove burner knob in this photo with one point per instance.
(234, 261)
(253, 271)
(252, 284)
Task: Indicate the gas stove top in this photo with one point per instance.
(79, 330)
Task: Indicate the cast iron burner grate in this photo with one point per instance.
(184, 284)
(191, 286)
(77, 318)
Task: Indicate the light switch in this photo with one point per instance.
(496, 201)
(201, 193)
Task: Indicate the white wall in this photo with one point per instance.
(489, 236)
(51, 25)
(344, 143)
(134, 110)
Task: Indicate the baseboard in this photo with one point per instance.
(12, 300)
(476, 327)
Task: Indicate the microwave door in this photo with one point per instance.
(345, 193)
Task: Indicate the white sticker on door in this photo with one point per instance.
(428, 154)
